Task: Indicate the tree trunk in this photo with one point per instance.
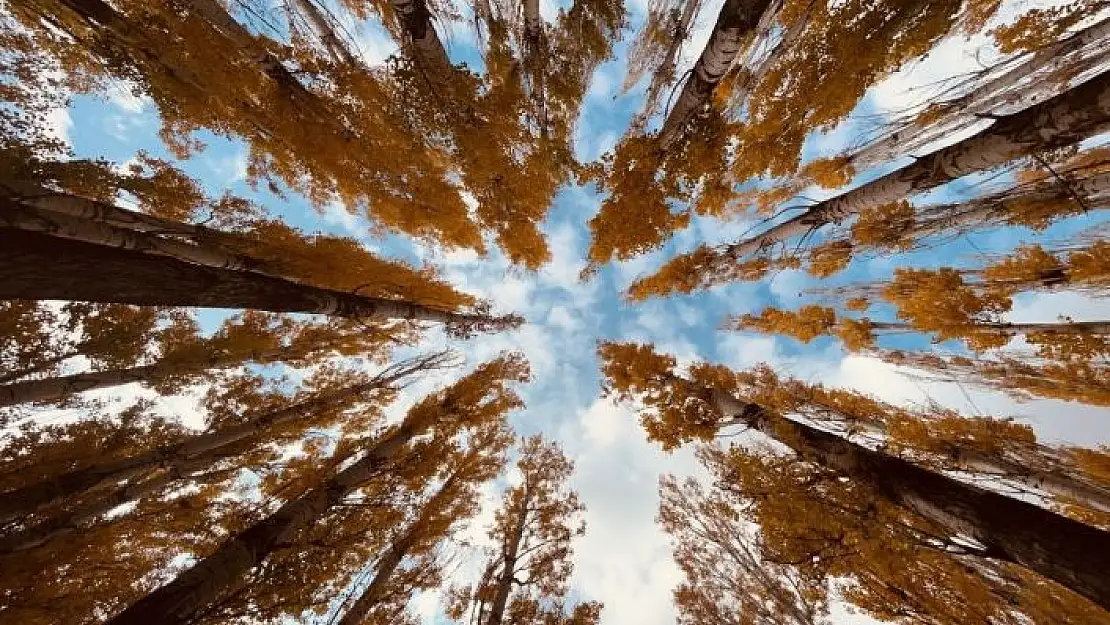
(197, 588)
(1068, 552)
(1043, 470)
(53, 389)
(988, 96)
(1061, 121)
(663, 75)
(71, 522)
(508, 572)
(533, 23)
(736, 19)
(37, 196)
(31, 219)
(28, 499)
(423, 42)
(1093, 191)
(39, 267)
(335, 46)
(1015, 329)
(389, 562)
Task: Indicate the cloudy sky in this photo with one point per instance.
(624, 559)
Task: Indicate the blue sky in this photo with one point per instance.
(624, 560)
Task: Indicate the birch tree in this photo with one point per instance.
(679, 410)
(1060, 121)
(525, 578)
(474, 400)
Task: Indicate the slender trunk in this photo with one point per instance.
(533, 23)
(1066, 551)
(55, 388)
(988, 96)
(42, 365)
(1093, 191)
(39, 267)
(1061, 121)
(423, 42)
(400, 548)
(508, 572)
(662, 76)
(73, 520)
(749, 73)
(335, 46)
(33, 497)
(1043, 471)
(197, 588)
(1015, 329)
(736, 19)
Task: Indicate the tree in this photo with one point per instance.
(336, 138)
(477, 398)
(525, 577)
(1057, 122)
(33, 497)
(1084, 382)
(725, 580)
(736, 20)
(679, 410)
(453, 501)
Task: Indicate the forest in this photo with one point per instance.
(555, 312)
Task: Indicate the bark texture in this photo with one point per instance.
(197, 588)
(38, 266)
(735, 21)
(1066, 119)
(423, 41)
(999, 93)
(1068, 552)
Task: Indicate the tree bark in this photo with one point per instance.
(1068, 552)
(197, 588)
(37, 266)
(335, 46)
(508, 571)
(1066, 119)
(1093, 191)
(53, 389)
(22, 217)
(665, 72)
(423, 42)
(988, 96)
(37, 196)
(736, 19)
(1043, 470)
(33, 497)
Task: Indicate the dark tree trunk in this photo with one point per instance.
(196, 589)
(400, 548)
(508, 572)
(41, 267)
(1066, 551)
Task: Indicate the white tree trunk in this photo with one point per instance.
(1075, 115)
(735, 21)
(1085, 49)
